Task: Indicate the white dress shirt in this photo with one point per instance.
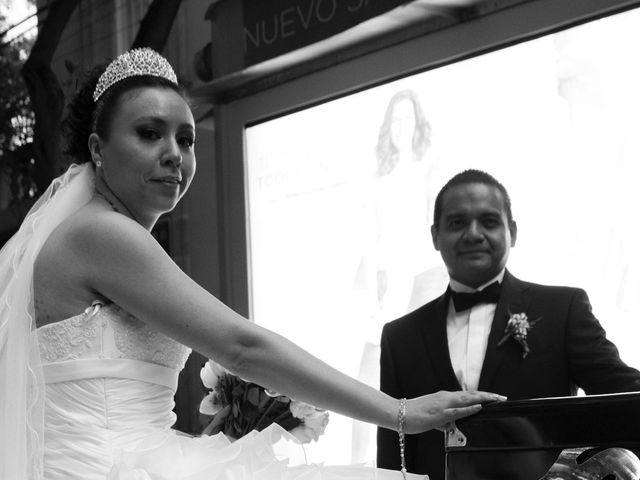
(468, 334)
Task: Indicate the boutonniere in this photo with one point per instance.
(518, 327)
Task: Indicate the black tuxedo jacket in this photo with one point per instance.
(569, 349)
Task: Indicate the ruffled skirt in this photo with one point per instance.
(256, 456)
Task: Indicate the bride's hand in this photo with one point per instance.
(439, 409)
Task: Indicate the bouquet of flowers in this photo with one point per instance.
(235, 407)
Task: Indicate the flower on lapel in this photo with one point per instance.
(518, 327)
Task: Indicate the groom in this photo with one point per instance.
(456, 341)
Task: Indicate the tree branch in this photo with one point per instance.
(46, 95)
(156, 24)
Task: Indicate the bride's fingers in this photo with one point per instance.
(466, 398)
(453, 414)
(438, 409)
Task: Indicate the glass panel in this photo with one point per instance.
(339, 223)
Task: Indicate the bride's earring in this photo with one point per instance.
(98, 163)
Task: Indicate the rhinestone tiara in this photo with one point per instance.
(136, 62)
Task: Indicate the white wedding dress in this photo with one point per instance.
(110, 383)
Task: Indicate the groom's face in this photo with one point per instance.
(474, 235)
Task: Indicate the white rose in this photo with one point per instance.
(312, 427)
(303, 433)
(210, 373)
(207, 405)
(318, 422)
(301, 410)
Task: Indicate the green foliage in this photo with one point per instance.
(17, 120)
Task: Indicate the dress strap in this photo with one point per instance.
(96, 305)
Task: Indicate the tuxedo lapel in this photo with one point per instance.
(434, 333)
(513, 299)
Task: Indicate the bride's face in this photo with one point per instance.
(148, 158)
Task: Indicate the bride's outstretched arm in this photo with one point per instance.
(124, 263)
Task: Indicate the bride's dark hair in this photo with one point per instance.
(76, 124)
(84, 116)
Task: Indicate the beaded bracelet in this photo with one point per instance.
(401, 424)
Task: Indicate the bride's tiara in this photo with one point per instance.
(136, 62)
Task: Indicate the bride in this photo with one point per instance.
(96, 321)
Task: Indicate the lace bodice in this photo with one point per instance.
(110, 381)
(108, 332)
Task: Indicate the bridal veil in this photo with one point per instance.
(21, 379)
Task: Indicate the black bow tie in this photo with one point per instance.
(464, 301)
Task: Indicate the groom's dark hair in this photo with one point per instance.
(464, 178)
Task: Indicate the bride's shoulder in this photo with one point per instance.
(94, 224)
(91, 230)
(60, 268)
(83, 248)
